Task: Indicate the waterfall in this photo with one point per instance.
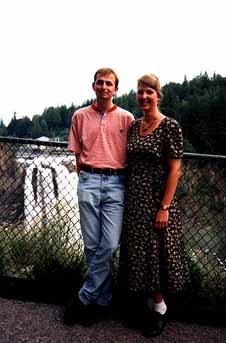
(50, 199)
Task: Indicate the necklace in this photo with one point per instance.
(146, 127)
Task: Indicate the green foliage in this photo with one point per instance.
(52, 116)
(208, 277)
(52, 252)
(199, 105)
(20, 127)
(36, 127)
(63, 135)
(34, 253)
(3, 129)
(2, 257)
(188, 147)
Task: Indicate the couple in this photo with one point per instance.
(113, 149)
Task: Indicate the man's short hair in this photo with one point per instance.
(105, 71)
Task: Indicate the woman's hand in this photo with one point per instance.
(161, 219)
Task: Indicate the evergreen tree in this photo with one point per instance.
(199, 106)
(36, 127)
(53, 119)
(20, 127)
(3, 129)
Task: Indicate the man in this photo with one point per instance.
(98, 136)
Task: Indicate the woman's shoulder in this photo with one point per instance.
(172, 122)
(136, 122)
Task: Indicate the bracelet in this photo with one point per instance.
(164, 207)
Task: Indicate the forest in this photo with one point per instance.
(199, 105)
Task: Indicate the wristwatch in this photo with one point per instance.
(164, 207)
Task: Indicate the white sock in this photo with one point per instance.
(160, 307)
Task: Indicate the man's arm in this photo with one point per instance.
(78, 164)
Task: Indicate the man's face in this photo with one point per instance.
(104, 86)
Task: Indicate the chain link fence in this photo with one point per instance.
(40, 237)
(39, 218)
(202, 195)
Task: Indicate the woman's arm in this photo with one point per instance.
(172, 181)
(162, 215)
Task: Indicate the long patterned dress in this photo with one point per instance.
(149, 255)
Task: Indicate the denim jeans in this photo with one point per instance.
(101, 201)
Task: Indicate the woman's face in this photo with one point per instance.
(146, 96)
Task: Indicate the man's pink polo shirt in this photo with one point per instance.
(100, 141)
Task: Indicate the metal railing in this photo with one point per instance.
(39, 217)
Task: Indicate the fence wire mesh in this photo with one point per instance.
(39, 217)
(202, 194)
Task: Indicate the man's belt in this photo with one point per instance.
(104, 171)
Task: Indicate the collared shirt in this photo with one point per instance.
(100, 139)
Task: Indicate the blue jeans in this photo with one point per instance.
(101, 201)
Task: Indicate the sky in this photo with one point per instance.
(50, 49)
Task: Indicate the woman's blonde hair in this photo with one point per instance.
(151, 81)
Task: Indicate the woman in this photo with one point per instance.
(152, 253)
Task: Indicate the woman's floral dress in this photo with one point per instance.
(149, 255)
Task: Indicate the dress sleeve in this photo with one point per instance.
(174, 140)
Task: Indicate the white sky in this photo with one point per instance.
(50, 49)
